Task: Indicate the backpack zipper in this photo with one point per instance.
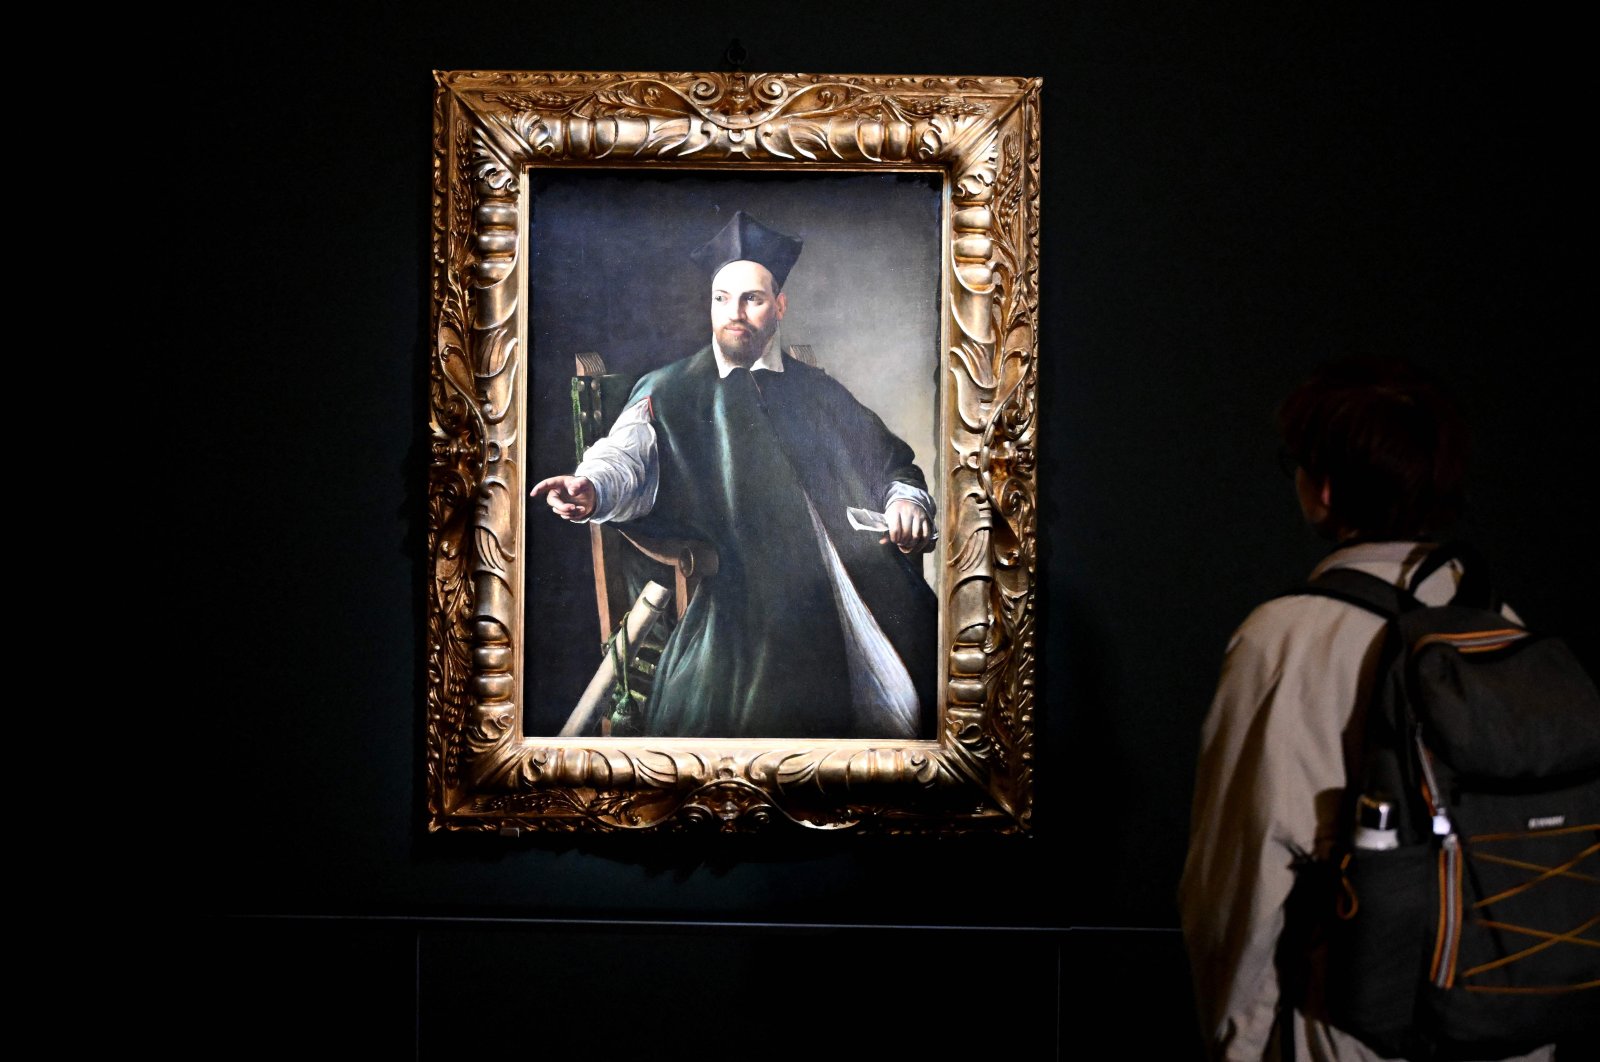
(1473, 641)
(1448, 939)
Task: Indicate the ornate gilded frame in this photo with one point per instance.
(490, 128)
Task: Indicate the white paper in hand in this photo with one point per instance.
(867, 520)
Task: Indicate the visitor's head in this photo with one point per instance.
(1380, 450)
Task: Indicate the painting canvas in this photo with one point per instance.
(768, 650)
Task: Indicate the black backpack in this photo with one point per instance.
(1459, 913)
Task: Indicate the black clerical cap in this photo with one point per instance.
(744, 239)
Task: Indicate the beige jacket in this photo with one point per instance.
(1268, 784)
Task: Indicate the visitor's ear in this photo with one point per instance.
(781, 303)
(1325, 494)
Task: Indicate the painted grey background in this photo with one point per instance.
(609, 271)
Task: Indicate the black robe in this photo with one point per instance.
(760, 651)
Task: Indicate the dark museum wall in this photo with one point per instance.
(1230, 197)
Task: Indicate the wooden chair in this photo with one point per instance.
(624, 561)
(598, 398)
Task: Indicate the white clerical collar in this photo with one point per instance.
(772, 360)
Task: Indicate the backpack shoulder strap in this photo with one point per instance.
(1476, 588)
(1361, 590)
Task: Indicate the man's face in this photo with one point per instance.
(744, 311)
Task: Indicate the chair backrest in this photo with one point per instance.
(598, 398)
(597, 401)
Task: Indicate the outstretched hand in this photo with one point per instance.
(909, 526)
(571, 497)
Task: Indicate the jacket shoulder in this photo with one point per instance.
(813, 375)
(1298, 620)
(678, 377)
(822, 389)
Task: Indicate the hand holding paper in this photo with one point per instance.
(905, 524)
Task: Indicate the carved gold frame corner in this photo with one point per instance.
(490, 128)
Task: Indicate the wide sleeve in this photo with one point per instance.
(900, 491)
(1269, 775)
(624, 467)
(881, 457)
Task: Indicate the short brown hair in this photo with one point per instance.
(1390, 444)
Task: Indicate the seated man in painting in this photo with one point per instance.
(811, 627)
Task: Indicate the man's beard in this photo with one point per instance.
(744, 347)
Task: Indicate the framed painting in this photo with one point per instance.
(732, 406)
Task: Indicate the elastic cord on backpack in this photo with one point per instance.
(1347, 903)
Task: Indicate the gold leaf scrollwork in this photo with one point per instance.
(489, 128)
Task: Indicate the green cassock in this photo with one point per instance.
(760, 651)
